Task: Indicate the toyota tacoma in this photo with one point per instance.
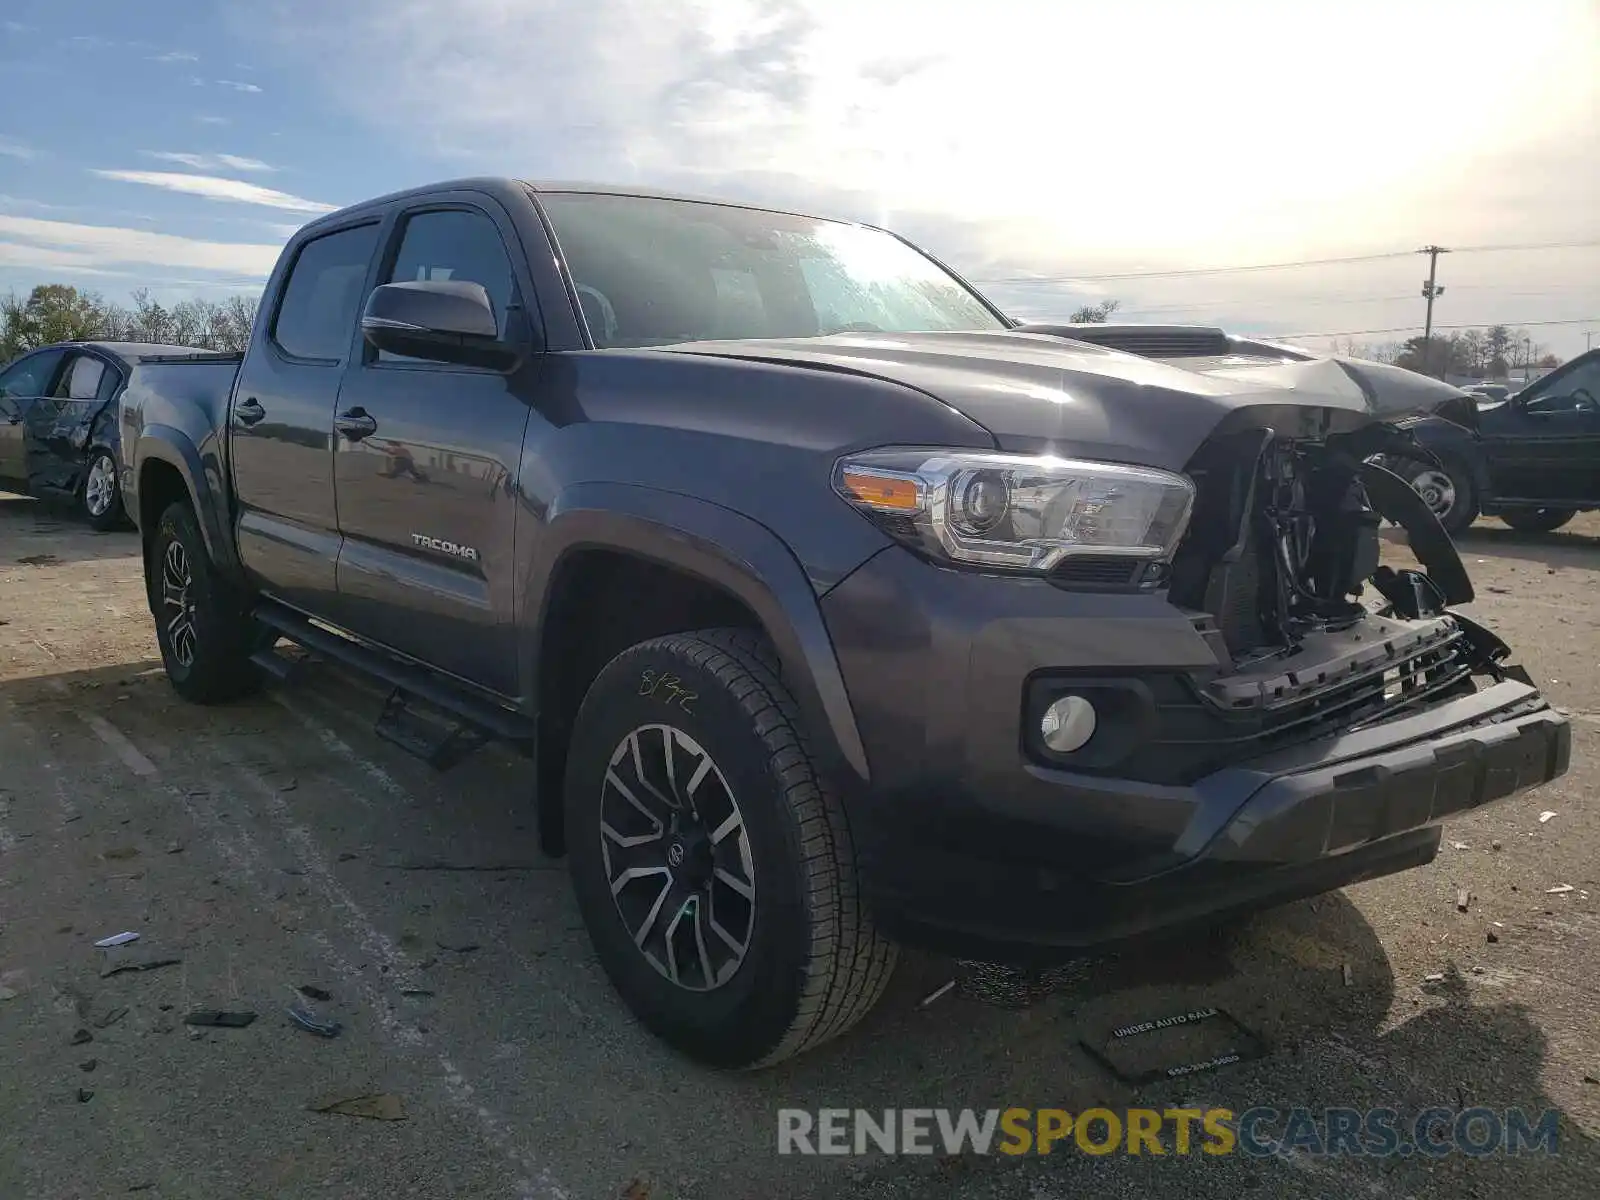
(836, 610)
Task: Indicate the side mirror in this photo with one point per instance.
(443, 320)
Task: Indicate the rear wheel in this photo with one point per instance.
(713, 866)
(1447, 490)
(101, 496)
(1537, 520)
(203, 627)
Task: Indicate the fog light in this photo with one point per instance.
(1067, 724)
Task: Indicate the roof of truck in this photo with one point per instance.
(501, 183)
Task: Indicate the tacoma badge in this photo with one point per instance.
(453, 549)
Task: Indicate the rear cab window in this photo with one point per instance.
(316, 313)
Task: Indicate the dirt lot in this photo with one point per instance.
(278, 843)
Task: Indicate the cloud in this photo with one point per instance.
(210, 162)
(59, 245)
(209, 120)
(175, 56)
(237, 86)
(214, 188)
(1044, 138)
(12, 148)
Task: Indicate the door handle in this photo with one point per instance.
(355, 423)
(249, 411)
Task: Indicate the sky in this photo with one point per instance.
(1054, 152)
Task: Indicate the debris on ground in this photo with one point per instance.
(1545, 816)
(1349, 976)
(80, 1037)
(116, 939)
(934, 995)
(1495, 845)
(415, 993)
(174, 847)
(312, 1023)
(1560, 889)
(1435, 977)
(1459, 846)
(458, 946)
(149, 961)
(1591, 1079)
(120, 853)
(375, 1106)
(88, 1064)
(213, 1019)
(110, 1017)
(637, 1189)
(312, 992)
(1493, 937)
(85, 1095)
(1463, 899)
(348, 856)
(8, 993)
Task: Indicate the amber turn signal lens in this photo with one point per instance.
(881, 491)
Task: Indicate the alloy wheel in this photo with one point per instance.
(177, 606)
(100, 488)
(677, 857)
(1437, 489)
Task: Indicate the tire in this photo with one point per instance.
(100, 497)
(1449, 491)
(207, 658)
(1537, 520)
(813, 964)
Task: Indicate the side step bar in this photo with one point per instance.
(482, 718)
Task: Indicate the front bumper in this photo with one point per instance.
(971, 846)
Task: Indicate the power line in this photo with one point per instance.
(1279, 266)
(1414, 328)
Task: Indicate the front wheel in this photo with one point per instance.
(204, 631)
(1447, 490)
(1537, 520)
(713, 866)
(102, 492)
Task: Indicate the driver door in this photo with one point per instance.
(1549, 450)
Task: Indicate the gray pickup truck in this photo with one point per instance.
(836, 610)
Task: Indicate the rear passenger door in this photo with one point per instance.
(24, 384)
(58, 426)
(426, 463)
(280, 423)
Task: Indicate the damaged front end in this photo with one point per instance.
(1315, 635)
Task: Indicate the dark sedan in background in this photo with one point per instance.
(1532, 459)
(58, 422)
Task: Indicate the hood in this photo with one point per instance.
(1043, 393)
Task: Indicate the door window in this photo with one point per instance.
(31, 376)
(456, 244)
(81, 381)
(1576, 391)
(316, 316)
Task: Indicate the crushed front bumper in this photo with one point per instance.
(970, 846)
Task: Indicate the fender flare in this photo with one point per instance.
(728, 550)
(165, 444)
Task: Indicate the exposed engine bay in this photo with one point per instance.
(1283, 554)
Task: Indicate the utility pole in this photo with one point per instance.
(1430, 290)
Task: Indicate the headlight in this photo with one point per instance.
(1017, 511)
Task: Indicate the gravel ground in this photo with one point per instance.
(278, 843)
